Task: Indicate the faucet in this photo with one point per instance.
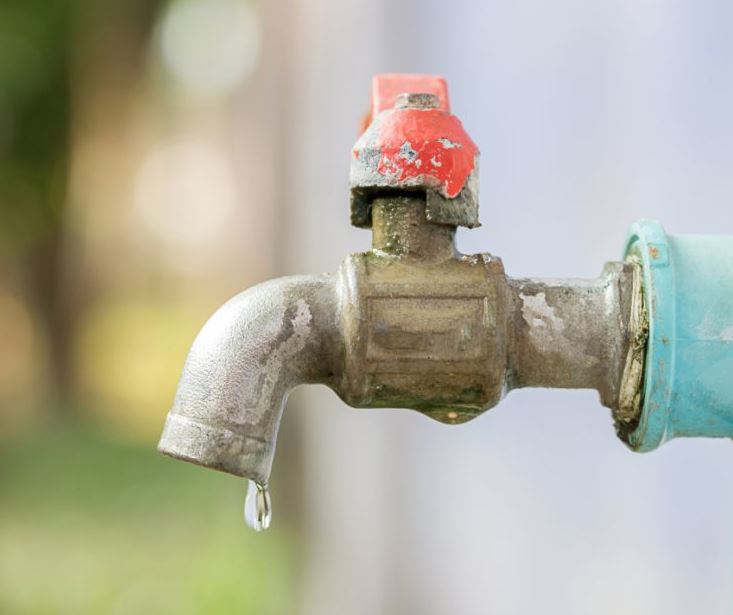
(413, 323)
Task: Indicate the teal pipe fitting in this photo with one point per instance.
(688, 297)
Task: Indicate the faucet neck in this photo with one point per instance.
(400, 228)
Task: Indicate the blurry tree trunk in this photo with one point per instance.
(35, 78)
(43, 46)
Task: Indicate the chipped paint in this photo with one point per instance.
(407, 153)
(448, 144)
(413, 142)
(423, 147)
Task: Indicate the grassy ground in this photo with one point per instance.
(89, 526)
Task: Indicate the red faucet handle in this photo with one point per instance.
(387, 87)
(410, 141)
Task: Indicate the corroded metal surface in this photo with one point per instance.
(411, 323)
(242, 365)
(422, 323)
(572, 333)
(628, 412)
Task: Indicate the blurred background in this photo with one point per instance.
(158, 157)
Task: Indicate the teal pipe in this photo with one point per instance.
(688, 296)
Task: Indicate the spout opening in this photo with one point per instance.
(217, 447)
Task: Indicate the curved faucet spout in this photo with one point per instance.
(241, 367)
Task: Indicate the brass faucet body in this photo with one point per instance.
(412, 323)
(428, 328)
(422, 324)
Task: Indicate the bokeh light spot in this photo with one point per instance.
(210, 46)
(185, 193)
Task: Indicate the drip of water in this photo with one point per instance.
(257, 507)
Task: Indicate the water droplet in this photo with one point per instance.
(257, 507)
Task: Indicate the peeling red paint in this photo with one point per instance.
(427, 143)
(413, 142)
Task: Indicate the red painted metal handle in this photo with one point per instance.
(386, 88)
(415, 143)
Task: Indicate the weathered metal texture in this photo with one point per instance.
(415, 145)
(628, 409)
(423, 325)
(449, 334)
(688, 288)
(411, 323)
(572, 334)
(242, 365)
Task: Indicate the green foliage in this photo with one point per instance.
(90, 526)
(35, 68)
